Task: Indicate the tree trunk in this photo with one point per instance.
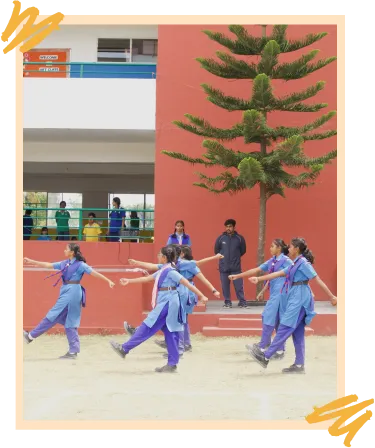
(261, 229)
(262, 221)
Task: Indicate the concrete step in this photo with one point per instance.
(232, 322)
(240, 331)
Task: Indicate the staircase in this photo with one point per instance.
(251, 325)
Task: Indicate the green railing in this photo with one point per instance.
(141, 70)
(45, 217)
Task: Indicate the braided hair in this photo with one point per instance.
(188, 253)
(282, 244)
(183, 227)
(300, 243)
(177, 248)
(170, 254)
(77, 252)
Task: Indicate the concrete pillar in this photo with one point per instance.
(93, 200)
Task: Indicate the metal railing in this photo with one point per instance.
(142, 70)
(43, 216)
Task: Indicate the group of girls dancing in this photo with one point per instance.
(289, 309)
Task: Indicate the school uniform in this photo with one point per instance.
(188, 269)
(299, 310)
(44, 238)
(28, 224)
(67, 309)
(179, 238)
(115, 224)
(276, 303)
(165, 316)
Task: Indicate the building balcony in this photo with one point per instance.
(81, 95)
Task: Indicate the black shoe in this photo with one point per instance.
(259, 357)
(117, 348)
(160, 343)
(69, 356)
(253, 348)
(294, 369)
(26, 337)
(227, 305)
(278, 356)
(188, 348)
(166, 369)
(242, 305)
(129, 329)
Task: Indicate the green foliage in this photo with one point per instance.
(247, 45)
(279, 161)
(232, 68)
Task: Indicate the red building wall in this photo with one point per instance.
(310, 213)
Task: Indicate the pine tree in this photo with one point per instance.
(279, 148)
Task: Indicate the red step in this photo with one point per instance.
(239, 332)
(200, 307)
(232, 322)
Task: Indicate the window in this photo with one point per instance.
(136, 202)
(36, 200)
(149, 205)
(144, 50)
(127, 50)
(114, 50)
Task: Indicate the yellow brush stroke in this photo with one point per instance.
(344, 414)
(29, 28)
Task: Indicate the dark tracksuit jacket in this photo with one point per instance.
(233, 248)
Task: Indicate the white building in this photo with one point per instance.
(92, 131)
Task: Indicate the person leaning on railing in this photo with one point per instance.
(62, 217)
(28, 224)
(116, 221)
(92, 230)
(134, 225)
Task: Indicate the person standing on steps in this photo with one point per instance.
(179, 236)
(62, 217)
(232, 246)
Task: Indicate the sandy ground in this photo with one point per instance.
(218, 380)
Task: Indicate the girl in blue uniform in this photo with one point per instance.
(67, 309)
(276, 303)
(299, 310)
(179, 236)
(167, 309)
(188, 269)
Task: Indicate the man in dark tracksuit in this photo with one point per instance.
(232, 246)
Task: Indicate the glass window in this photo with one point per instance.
(144, 50)
(129, 202)
(114, 50)
(149, 217)
(36, 200)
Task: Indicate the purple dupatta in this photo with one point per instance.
(66, 273)
(291, 272)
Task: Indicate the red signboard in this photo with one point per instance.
(45, 70)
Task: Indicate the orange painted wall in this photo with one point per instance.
(106, 308)
(310, 213)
